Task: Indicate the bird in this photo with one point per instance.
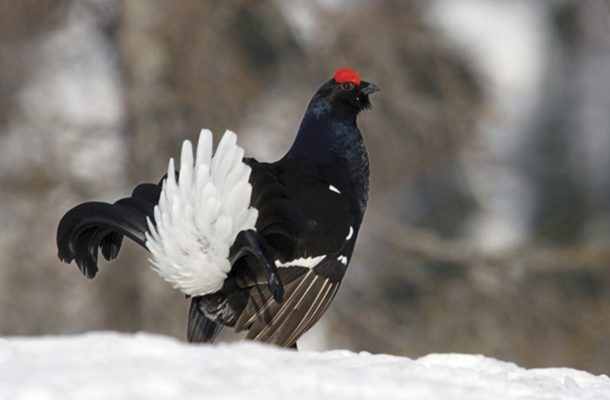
(256, 246)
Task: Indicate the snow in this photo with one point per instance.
(108, 365)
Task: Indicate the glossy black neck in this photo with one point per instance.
(334, 149)
(322, 138)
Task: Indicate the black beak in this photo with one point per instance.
(370, 88)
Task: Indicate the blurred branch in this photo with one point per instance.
(428, 245)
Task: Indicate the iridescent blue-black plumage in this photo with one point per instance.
(285, 271)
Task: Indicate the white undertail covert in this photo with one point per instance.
(199, 216)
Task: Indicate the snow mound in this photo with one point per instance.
(143, 366)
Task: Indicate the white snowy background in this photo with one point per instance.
(104, 365)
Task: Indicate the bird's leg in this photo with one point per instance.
(249, 242)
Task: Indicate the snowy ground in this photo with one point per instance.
(143, 366)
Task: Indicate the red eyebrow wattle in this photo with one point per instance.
(347, 75)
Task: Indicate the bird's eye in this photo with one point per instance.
(347, 86)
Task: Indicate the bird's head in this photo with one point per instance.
(343, 94)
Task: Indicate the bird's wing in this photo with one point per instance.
(307, 294)
(93, 225)
(312, 269)
(280, 221)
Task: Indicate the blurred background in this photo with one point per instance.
(488, 226)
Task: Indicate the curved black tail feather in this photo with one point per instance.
(95, 225)
(201, 329)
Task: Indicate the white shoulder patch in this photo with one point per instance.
(350, 233)
(334, 189)
(199, 217)
(309, 262)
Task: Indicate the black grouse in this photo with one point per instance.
(257, 246)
